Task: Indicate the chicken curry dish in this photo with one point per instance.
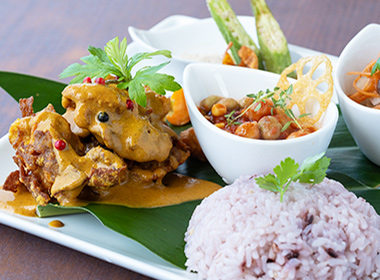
(105, 148)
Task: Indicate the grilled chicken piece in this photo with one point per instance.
(190, 139)
(102, 110)
(139, 135)
(91, 144)
(52, 160)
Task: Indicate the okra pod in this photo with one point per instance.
(231, 29)
(273, 45)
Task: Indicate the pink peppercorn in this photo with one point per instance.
(130, 104)
(100, 81)
(87, 80)
(60, 145)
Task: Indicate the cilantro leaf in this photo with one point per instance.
(93, 67)
(118, 55)
(159, 82)
(312, 171)
(268, 182)
(147, 76)
(376, 66)
(286, 170)
(136, 92)
(145, 55)
(100, 53)
(114, 60)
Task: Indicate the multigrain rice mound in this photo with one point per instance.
(318, 232)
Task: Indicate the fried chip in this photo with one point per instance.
(306, 97)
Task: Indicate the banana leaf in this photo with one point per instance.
(43, 90)
(162, 230)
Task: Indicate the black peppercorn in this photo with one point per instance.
(103, 117)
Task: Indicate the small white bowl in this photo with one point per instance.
(231, 155)
(198, 40)
(363, 122)
(189, 40)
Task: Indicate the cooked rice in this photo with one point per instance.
(318, 232)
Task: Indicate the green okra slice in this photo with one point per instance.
(272, 41)
(231, 29)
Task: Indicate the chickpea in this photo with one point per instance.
(220, 125)
(248, 130)
(270, 127)
(207, 103)
(218, 110)
(246, 101)
(283, 120)
(281, 116)
(265, 110)
(230, 103)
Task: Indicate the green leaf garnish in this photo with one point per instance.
(115, 61)
(283, 96)
(98, 52)
(93, 67)
(118, 56)
(230, 117)
(312, 171)
(376, 66)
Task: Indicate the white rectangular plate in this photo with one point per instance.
(85, 233)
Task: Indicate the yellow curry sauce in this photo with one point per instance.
(56, 224)
(176, 189)
(21, 202)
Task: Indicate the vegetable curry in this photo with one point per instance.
(254, 116)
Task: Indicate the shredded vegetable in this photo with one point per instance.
(367, 85)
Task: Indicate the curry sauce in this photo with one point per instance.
(21, 202)
(175, 189)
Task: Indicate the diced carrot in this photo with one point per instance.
(179, 114)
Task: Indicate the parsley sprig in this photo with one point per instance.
(280, 99)
(115, 60)
(376, 66)
(312, 171)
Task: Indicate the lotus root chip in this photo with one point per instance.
(305, 93)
